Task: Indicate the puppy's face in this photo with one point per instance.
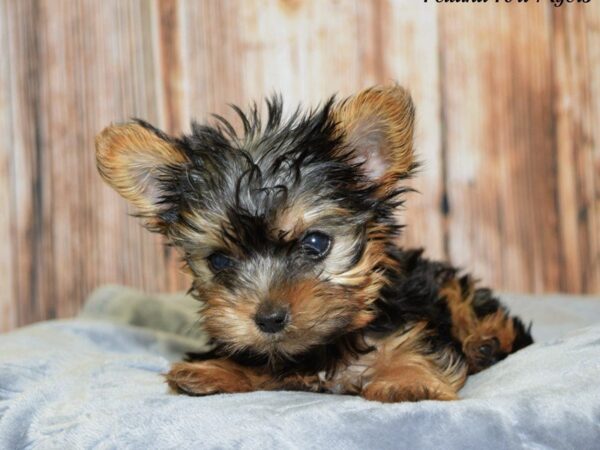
(284, 228)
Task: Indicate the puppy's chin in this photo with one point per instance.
(284, 345)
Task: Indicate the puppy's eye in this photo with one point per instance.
(218, 261)
(316, 244)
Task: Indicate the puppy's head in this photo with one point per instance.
(285, 227)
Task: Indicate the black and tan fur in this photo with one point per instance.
(366, 318)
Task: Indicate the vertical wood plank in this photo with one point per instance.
(404, 42)
(577, 109)
(501, 163)
(110, 75)
(169, 58)
(30, 248)
(78, 66)
(306, 50)
(8, 298)
(213, 59)
(172, 93)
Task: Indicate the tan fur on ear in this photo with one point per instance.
(129, 158)
(379, 124)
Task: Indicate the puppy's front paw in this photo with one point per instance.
(207, 378)
(390, 392)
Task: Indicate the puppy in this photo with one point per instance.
(289, 231)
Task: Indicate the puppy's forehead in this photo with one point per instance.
(257, 208)
(271, 184)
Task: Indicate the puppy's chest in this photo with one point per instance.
(391, 351)
(352, 377)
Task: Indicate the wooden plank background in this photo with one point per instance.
(508, 103)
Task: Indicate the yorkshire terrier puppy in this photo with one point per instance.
(289, 231)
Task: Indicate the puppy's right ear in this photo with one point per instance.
(141, 164)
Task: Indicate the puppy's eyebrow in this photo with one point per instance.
(295, 219)
(290, 229)
(284, 235)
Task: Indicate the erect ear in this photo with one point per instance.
(378, 126)
(140, 163)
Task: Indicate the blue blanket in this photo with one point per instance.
(94, 382)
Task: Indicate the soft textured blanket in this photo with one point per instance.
(94, 382)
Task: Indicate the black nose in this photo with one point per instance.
(271, 318)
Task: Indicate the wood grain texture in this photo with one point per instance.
(26, 172)
(577, 134)
(8, 295)
(508, 102)
(407, 43)
(500, 157)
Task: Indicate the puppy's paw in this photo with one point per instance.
(390, 392)
(206, 378)
(482, 353)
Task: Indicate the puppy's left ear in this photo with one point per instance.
(377, 125)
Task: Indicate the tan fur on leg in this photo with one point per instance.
(224, 376)
(405, 370)
(480, 337)
(210, 377)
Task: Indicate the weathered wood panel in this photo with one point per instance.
(406, 40)
(500, 155)
(8, 295)
(577, 111)
(508, 101)
(101, 69)
(75, 67)
(26, 184)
